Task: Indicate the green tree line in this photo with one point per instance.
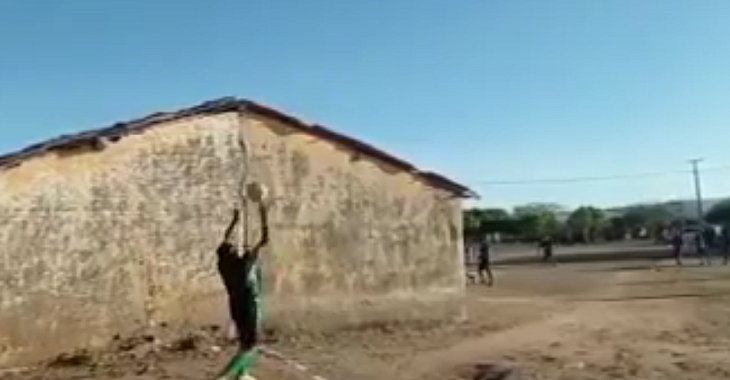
(585, 224)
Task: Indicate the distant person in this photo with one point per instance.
(485, 263)
(710, 236)
(546, 247)
(725, 241)
(701, 249)
(677, 243)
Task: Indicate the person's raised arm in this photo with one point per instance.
(263, 214)
(231, 226)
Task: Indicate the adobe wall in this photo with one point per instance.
(96, 243)
(354, 236)
(93, 243)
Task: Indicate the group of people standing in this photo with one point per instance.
(704, 242)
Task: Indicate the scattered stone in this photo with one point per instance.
(141, 369)
(548, 358)
(684, 366)
(14, 370)
(74, 359)
(577, 365)
(187, 343)
(495, 372)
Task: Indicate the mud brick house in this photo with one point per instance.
(112, 229)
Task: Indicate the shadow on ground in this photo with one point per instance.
(656, 297)
(668, 282)
(638, 254)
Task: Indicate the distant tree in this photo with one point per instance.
(617, 228)
(495, 214)
(472, 223)
(538, 209)
(588, 221)
(478, 222)
(528, 226)
(497, 220)
(535, 220)
(654, 218)
(719, 213)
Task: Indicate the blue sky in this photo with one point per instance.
(480, 90)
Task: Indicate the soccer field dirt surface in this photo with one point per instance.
(628, 319)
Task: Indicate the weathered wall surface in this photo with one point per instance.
(95, 243)
(351, 233)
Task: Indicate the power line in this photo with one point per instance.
(584, 179)
(596, 178)
(717, 168)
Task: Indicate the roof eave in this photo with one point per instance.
(231, 104)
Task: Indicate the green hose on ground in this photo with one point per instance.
(240, 365)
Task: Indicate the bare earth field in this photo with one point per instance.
(609, 317)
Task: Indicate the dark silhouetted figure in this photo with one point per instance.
(677, 243)
(702, 251)
(709, 235)
(241, 276)
(725, 241)
(485, 263)
(546, 245)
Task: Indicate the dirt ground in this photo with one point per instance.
(621, 319)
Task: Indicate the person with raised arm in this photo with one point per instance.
(241, 275)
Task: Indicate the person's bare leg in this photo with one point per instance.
(482, 278)
(678, 256)
(490, 276)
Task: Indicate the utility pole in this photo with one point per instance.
(698, 189)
